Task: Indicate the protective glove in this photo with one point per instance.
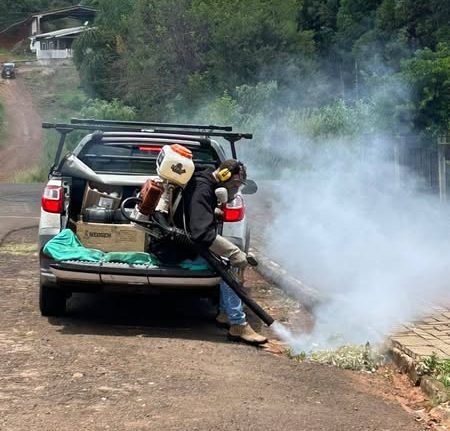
(225, 248)
(221, 195)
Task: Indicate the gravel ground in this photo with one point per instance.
(150, 363)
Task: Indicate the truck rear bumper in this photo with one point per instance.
(101, 276)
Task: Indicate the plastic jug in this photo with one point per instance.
(175, 164)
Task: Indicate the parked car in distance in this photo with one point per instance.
(8, 70)
(111, 163)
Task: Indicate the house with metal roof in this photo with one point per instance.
(55, 44)
(40, 21)
(47, 42)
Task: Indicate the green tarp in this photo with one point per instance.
(66, 246)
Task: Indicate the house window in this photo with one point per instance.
(44, 46)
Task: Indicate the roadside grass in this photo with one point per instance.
(2, 124)
(58, 97)
(351, 357)
(18, 249)
(56, 91)
(10, 56)
(34, 175)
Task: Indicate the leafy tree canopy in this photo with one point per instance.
(174, 57)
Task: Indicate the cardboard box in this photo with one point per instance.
(99, 195)
(111, 237)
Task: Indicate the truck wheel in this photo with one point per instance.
(52, 301)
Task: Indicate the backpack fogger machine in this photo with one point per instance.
(154, 209)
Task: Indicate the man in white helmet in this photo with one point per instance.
(200, 204)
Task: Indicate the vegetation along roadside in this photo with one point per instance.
(2, 124)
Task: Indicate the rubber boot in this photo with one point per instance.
(246, 334)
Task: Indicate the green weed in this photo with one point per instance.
(437, 368)
(357, 358)
(11, 56)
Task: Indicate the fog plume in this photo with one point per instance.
(351, 223)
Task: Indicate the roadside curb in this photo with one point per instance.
(434, 389)
(430, 386)
(275, 273)
(407, 362)
(410, 343)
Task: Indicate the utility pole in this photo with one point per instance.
(442, 169)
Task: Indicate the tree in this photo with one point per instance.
(428, 76)
(162, 60)
(172, 58)
(355, 19)
(248, 41)
(97, 51)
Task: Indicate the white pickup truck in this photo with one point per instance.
(120, 157)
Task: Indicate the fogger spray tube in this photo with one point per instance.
(178, 235)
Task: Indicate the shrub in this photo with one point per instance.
(108, 110)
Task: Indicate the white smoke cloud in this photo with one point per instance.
(344, 218)
(357, 227)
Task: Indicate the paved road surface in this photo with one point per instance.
(19, 206)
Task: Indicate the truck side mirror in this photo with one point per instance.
(249, 188)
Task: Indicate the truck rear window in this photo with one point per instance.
(136, 158)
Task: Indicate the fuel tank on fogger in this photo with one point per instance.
(175, 165)
(175, 168)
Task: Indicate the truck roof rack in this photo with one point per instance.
(198, 132)
(171, 128)
(149, 124)
(192, 132)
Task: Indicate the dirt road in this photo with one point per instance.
(23, 135)
(117, 363)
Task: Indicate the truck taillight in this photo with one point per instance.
(234, 210)
(53, 199)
